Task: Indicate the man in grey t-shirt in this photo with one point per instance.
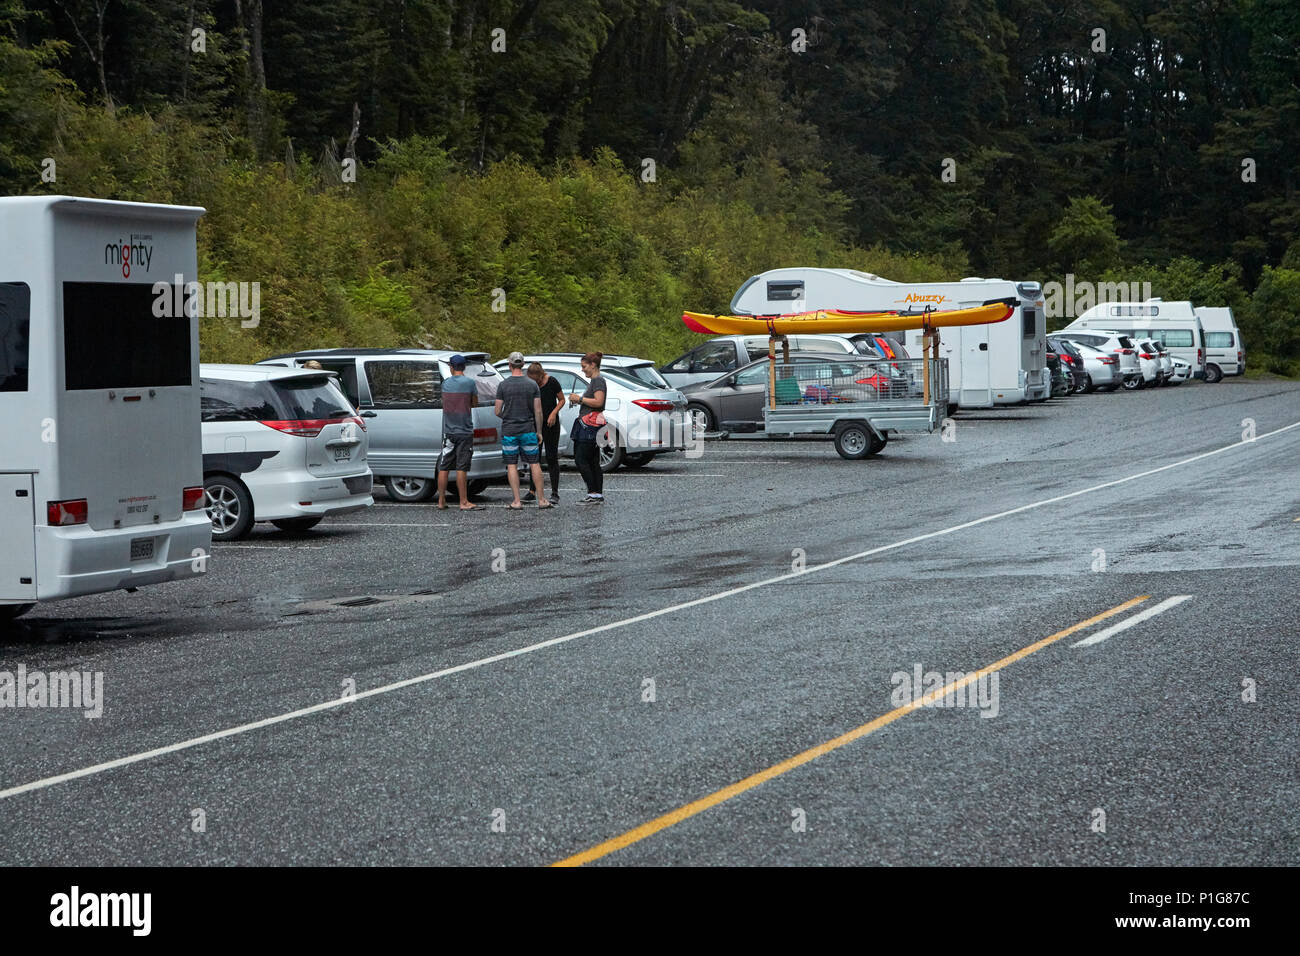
(519, 406)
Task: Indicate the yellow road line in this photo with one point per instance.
(750, 782)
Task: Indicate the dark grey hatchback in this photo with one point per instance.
(735, 401)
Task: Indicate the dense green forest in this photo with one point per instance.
(401, 171)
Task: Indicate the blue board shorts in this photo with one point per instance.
(513, 447)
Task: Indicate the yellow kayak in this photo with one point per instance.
(837, 321)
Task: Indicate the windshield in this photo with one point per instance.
(307, 398)
(648, 375)
(623, 378)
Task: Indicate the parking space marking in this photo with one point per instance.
(620, 623)
(1136, 619)
(270, 547)
(385, 524)
(695, 807)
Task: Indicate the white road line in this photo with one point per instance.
(272, 547)
(384, 524)
(1128, 622)
(612, 625)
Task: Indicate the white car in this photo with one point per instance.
(646, 421)
(1101, 368)
(1148, 354)
(644, 370)
(281, 445)
(1113, 343)
(1182, 372)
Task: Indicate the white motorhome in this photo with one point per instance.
(999, 364)
(1174, 325)
(1225, 352)
(101, 473)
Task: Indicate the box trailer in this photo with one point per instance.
(1000, 364)
(101, 475)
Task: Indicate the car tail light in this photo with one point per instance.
(302, 427)
(1107, 360)
(485, 436)
(654, 404)
(1146, 356)
(60, 513)
(1238, 357)
(192, 499)
(358, 421)
(1200, 356)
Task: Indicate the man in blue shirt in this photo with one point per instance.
(459, 396)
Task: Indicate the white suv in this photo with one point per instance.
(280, 445)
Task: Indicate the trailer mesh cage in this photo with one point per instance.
(858, 381)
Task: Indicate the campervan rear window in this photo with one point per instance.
(1030, 325)
(112, 339)
(785, 291)
(15, 335)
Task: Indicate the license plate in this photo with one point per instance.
(342, 454)
(142, 549)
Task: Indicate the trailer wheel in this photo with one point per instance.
(855, 441)
(9, 612)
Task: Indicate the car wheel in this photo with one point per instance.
(1083, 385)
(296, 524)
(475, 488)
(11, 612)
(1132, 384)
(1213, 374)
(856, 441)
(406, 489)
(638, 461)
(612, 452)
(230, 508)
(701, 419)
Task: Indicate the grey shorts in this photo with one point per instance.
(457, 454)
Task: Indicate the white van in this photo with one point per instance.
(101, 473)
(1173, 324)
(1225, 352)
(999, 364)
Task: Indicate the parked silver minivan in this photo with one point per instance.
(399, 394)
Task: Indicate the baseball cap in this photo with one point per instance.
(516, 360)
(456, 361)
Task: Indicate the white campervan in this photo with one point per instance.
(1225, 352)
(1174, 325)
(101, 472)
(999, 364)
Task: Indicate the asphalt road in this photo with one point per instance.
(1136, 749)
